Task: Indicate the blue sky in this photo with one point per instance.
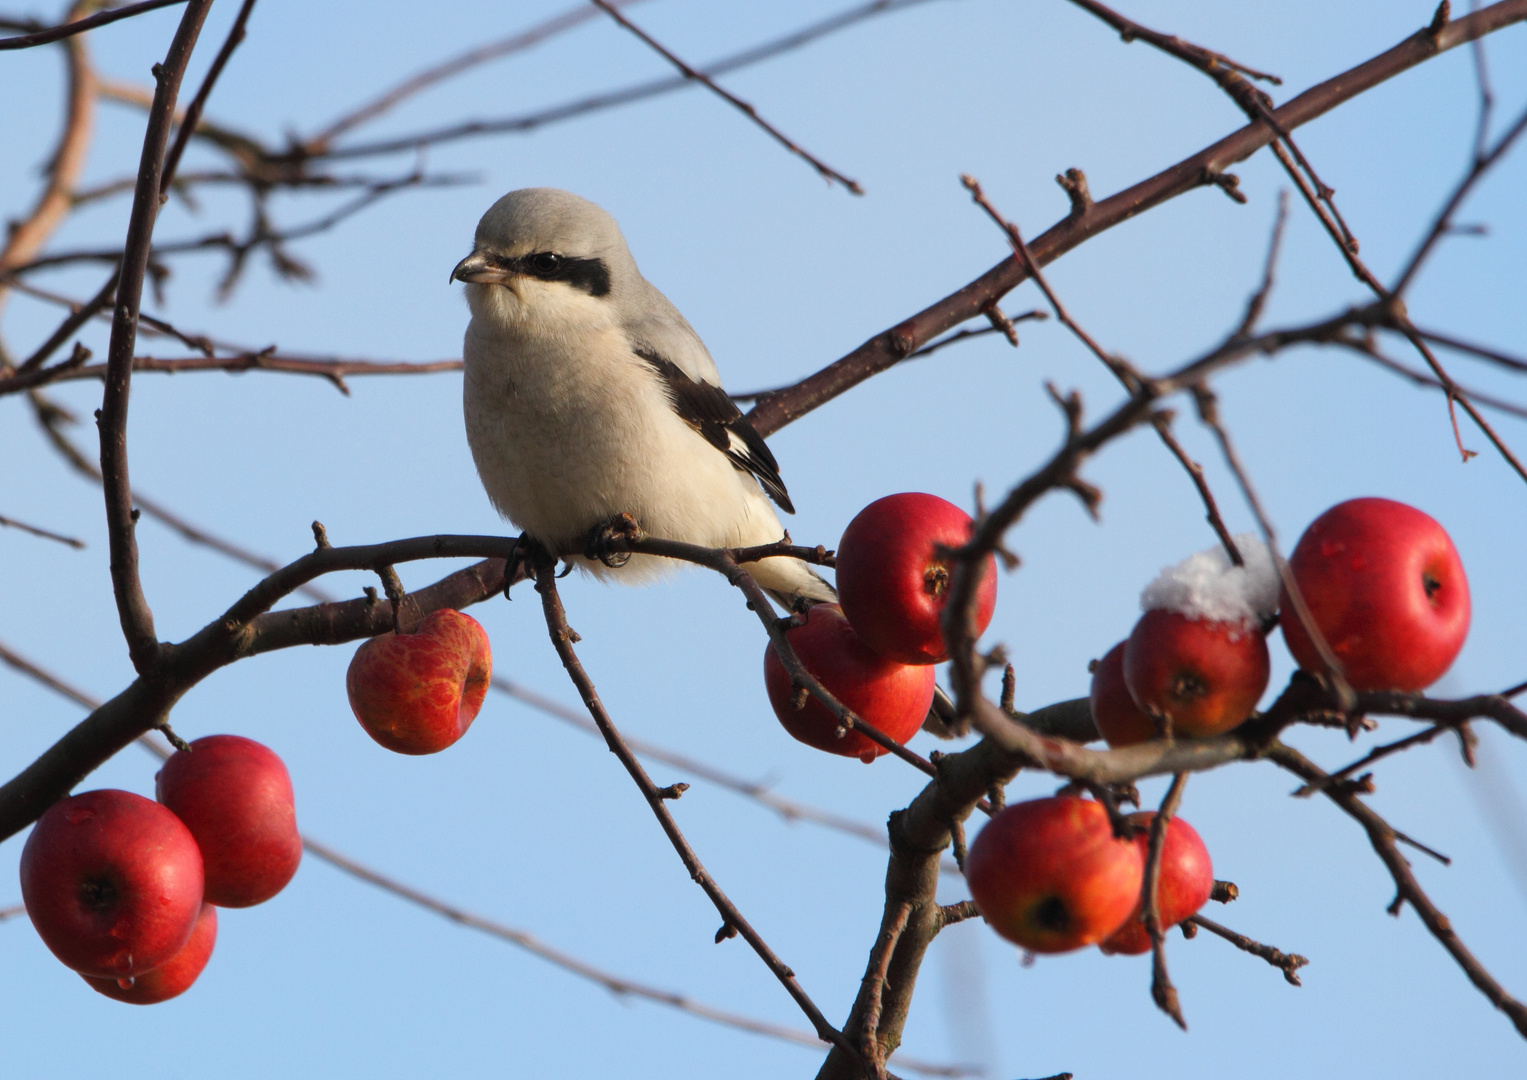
(531, 822)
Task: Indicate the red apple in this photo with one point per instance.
(236, 798)
(112, 882)
(418, 693)
(892, 696)
(1203, 676)
(172, 978)
(1187, 879)
(1385, 586)
(1050, 875)
(893, 582)
(1118, 719)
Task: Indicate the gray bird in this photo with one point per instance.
(588, 395)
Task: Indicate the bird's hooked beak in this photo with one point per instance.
(481, 268)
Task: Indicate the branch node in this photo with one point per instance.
(321, 536)
(1227, 182)
(173, 739)
(672, 791)
(393, 587)
(1074, 183)
(1000, 322)
(1439, 22)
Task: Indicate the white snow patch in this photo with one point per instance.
(1209, 586)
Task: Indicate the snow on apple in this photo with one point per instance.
(1208, 585)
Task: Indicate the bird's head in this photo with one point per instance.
(541, 254)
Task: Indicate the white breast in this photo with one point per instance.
(569, 428)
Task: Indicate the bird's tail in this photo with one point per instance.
(792, 583)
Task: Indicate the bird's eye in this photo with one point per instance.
(546, 262)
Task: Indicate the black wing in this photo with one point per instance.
(713, 414)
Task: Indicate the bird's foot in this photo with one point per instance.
(604, 540)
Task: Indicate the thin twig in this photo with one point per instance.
(825, 171)
(1288, 963)
(332, 369)
(1128, 376)
(1378, 753)
(891, 346)
(321, 140)
(1494, 356)
(193, 112)
(46, 534)
(732, 920)
(1163, 993)
(1208, 412)
(1407, 889)
(132, 606)
(619, 986)
(79, 26)
(1162, 422)
(1369, 350)
(1441, 225)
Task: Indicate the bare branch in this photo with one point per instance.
(1495, 356)
(25, 238)
(320, 141)
(638, 92)
(334, 369)
(79, 26)
(619, 986)
(46, 534)
(732, 920)
(1288, 963)
(890, 347)
(828, 173)
(193, 112)
(132, 606)
(1443, 222)
(1382, 836)
(1163, 993)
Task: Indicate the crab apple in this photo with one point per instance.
(893, 582)
(1050, 875)
(418, 693)
(112, 882)
(1187, 879)
(172, 978)
(236, 798)
(890, 695)
(1203, 676)
(1118, 719)
(1385, 586)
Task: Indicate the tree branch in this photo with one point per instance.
(79, 26)
(132, 606)
(1408, 890)
(732, 920)
(892, 346)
